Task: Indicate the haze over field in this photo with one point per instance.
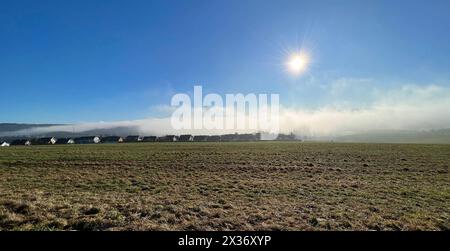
(411, 110)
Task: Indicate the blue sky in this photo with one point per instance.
(78, 61)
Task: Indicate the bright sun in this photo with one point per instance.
(298, 63)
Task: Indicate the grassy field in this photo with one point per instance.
(225, 186)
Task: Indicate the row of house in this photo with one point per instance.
(64, 141)
(167, 138)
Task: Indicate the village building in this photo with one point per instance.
(186, 138)
(133, 138)
(87, 140)
(20, 142)
(149, 139)
(213, 138)
(200, 138)
(246, 137)
(112, 139)
(63, 141)
(229, 137)
(44, 141)
(167, 138)
(286, 137)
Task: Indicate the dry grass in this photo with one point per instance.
(225, 186)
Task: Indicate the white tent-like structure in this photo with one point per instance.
(4, 144)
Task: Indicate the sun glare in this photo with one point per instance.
(298, 63)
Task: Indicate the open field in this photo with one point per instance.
(225, 186)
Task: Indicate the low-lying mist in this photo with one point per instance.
(410, 108)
